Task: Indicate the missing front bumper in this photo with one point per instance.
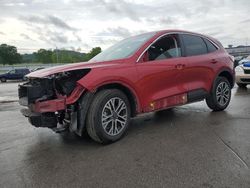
(48, 120)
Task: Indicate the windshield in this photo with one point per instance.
(124, 48)
(11, 72)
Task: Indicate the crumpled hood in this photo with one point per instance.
(68, 67)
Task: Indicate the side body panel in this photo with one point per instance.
(159, 80)
(199, 72)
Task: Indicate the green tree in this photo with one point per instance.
(9, 55)
(94, 52)
(44, 56)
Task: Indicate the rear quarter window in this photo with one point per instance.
(210, 46)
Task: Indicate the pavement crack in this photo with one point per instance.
(232, 150)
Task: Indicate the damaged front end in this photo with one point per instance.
(51, 101)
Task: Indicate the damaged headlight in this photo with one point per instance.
(65, 82)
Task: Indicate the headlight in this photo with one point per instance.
(239, 69)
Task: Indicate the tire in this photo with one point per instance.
(3, 79)
(242, 85)
(105, 114)
(220, 101)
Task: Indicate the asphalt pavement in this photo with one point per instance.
(187, 146)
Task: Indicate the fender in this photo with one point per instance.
(94, 88)
(97, 78)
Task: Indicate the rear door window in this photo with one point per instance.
(194, 45)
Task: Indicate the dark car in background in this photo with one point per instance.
(15, 74)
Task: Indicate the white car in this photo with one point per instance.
(243, 74)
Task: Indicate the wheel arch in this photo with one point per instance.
(228, 75)
(128, 91)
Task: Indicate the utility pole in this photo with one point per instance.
(56, 55)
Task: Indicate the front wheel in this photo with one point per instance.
(220, 96)
(108, 116)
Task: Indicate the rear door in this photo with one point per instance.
(160, 74)
(200, 59)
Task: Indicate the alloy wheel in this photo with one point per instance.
(114, 116)
(223, 93)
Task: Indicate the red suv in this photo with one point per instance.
(144, 73)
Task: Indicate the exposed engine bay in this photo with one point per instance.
(51, 100)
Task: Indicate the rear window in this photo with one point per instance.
(194, 45)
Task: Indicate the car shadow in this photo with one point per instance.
(242, 91)
(12, 81)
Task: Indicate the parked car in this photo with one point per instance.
(15, 74)
(144, 73)
(244, 60)
(237, 59)
(243, 74)
(36, 69)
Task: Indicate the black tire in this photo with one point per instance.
(213, 101)
(242, 85)
(3, 79)
(96, 111)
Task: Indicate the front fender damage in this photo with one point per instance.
(78, 116)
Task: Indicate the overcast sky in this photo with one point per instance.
(83, 24)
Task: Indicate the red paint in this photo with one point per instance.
(163, 82)
(49, 106)
(75, 95)
(58, 104)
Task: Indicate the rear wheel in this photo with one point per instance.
(3, 79)
(108, 116)
(220, 95)
(242, 85)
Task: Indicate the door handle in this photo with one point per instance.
(179, 66)
(214, 61)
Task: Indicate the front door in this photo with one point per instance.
(160, 75)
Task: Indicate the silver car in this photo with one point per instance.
(243, 74)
